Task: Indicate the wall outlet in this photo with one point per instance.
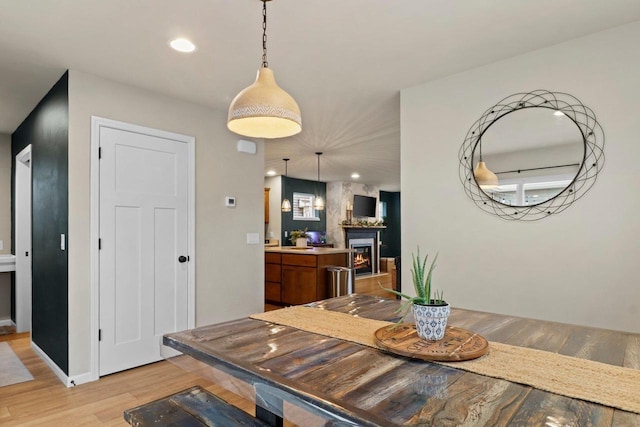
(230, 202)
(253, 238)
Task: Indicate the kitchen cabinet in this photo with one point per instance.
(300, 285)
(294, 277)
(272, 278)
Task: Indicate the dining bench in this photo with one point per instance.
(194, 407)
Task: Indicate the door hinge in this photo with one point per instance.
(99, 334)
(99, 244)
(99, 152)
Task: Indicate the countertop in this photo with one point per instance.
(307, 251)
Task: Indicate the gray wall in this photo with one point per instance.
(229, 273)
(579, 266)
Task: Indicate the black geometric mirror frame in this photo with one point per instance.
(593, 139)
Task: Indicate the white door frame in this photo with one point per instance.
(96, 124)
(21, 291)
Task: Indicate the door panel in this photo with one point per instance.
(143, 231)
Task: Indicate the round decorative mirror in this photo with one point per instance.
(531, 155)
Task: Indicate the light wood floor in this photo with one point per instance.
(45, 401)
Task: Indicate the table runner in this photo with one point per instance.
(609, 385)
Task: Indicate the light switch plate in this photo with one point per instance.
(230, 202)
(253, 238)
(1, 245)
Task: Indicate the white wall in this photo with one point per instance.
(579, 266)
(274, 228)
(5, 222)
(229, 273)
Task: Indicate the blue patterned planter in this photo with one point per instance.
(431, 320)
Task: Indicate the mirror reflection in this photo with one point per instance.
(535, 153)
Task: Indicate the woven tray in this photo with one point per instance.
(458, 344)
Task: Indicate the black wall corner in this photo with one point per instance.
(391, 236)
(47, 130)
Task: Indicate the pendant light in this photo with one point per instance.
(264, 110)
(286, 204)
(486, 179)
(318, 203)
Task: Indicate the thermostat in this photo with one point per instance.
(230, 202)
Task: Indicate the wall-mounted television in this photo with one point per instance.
(364, 206)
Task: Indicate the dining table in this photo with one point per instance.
(313, 379)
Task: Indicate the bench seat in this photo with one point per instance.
(192, 407)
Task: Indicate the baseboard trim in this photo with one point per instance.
(66, 380)
(7, 322)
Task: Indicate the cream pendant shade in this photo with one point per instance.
(286, 204)
(484, 177)
(318, 204)
(264, 110)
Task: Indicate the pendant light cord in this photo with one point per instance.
(265, 64)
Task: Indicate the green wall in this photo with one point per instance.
(47, 130)
(293, 185)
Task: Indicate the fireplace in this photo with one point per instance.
(365, 242)
(363, 255)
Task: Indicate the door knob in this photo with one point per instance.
(183, 258)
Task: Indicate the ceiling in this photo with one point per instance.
(344, 61)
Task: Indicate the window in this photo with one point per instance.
(383, 210)
(528, 193)
(303, 207)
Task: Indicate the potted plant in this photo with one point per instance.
(430, 310)
(299, 237)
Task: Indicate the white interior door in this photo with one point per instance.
(143, 233)
(23, 240)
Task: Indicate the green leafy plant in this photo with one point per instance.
(422, 284)
(298, 234)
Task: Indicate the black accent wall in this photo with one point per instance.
(291, 185)
(47, 130)
(391, 236)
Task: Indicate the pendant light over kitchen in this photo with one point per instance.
(286, 204)
(486, 179)
(264, 110)
(318, 203)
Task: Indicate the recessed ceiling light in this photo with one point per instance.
(271, 173)
(182, 45)
(558, 113)
(355, 175)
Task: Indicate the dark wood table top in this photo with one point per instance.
(366, 386)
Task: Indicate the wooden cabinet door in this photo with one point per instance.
(298, 285)
(272, 273)
(272, 292)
